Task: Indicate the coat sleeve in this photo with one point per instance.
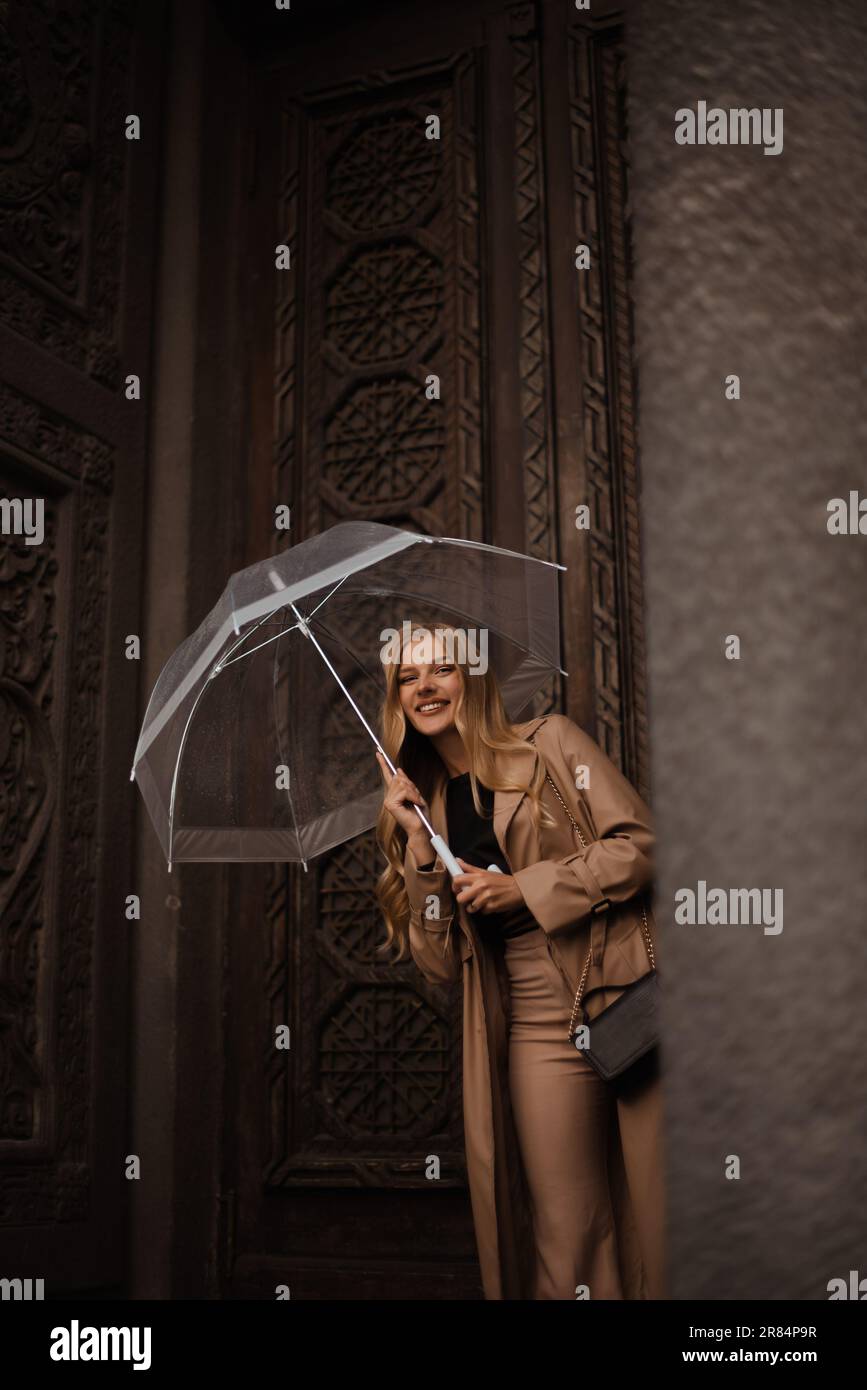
(432, 938)
(564, 893)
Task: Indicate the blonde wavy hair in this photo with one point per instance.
(481, 721)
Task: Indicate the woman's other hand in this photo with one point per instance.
(483, 891)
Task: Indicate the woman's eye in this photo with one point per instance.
(444, 668)
(403, 680)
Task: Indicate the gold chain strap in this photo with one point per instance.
(648, 941)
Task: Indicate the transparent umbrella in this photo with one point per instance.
(252, 747)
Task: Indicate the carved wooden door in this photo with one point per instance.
(76, 245)
(412, 257)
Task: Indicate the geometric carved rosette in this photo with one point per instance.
(383, 175)
(385, 1061)
(383, 447)
(349, 917)
(383, 303)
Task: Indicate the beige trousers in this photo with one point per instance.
(562, 1114)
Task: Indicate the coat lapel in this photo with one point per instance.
(518, 765)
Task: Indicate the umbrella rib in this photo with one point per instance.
(498, 549)
(250, 650)
(241, 639)
(281, 633)
(327, 597)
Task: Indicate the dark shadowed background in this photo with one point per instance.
(303, 387)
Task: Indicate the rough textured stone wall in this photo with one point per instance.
(757, 265)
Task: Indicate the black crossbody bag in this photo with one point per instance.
(628, 1029)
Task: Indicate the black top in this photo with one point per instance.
(472, 839)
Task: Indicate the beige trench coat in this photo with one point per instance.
(581, 899)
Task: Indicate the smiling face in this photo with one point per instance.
(429, 691)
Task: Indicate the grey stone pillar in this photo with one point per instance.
(756, 265)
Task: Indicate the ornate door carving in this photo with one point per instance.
(67, 696)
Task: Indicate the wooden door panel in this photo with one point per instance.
(74, 277)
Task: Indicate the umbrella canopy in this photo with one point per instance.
(256, 741)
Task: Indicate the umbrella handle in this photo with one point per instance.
(446, 855)
(449, 860)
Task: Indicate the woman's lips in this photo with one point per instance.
(429, 713)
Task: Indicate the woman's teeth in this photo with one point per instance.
(432, 706)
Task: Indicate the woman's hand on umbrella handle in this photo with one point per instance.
(400, 796)
(482, 890)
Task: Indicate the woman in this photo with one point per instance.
(565, 1170)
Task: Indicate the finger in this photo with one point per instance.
(405, 788)
(481, 898)
(466, 879)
